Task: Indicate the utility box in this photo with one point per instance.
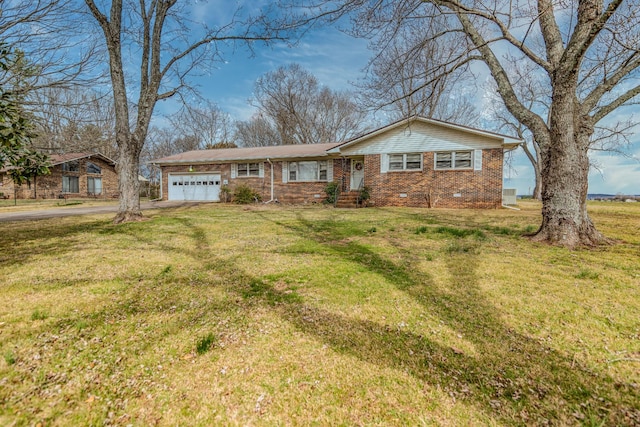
(509, 196)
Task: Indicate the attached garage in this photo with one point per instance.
(200, 187)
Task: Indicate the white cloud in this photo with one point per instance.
(617, 174)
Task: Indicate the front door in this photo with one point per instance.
(357, 173)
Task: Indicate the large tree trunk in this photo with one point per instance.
(565, 169)
(128, 184)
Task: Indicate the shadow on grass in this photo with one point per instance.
(21, 242)
(512, 377)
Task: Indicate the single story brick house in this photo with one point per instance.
(413, 162)
(77, 175)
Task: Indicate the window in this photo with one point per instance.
(454, 160)
(92, 168)
(73, 166)
(94, 186)
(401, 162)
(248, 169)
(70, 184)
(308, 171)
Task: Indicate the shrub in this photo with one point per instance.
(333, 191)
(225, 194)
(365, 194)
(244, 195)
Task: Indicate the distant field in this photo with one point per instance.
(270, 315)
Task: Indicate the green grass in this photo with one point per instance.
(270, 315)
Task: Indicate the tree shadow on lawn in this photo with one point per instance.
(512, 377)
(20, 244)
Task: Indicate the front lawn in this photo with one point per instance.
(270, 315)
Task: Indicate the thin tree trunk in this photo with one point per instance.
(537, 190)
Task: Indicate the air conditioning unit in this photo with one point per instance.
(509, 196)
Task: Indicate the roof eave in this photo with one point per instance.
(511, 145)
(160, 162)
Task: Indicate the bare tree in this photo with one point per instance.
(74, 120)
(301, 111)
(60, 52)
(586, 53)
(208, 123)
(256, 132)
(402, 77)
(160, 31)
(535, 94)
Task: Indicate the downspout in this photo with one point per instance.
(510, 207)
(271, 168)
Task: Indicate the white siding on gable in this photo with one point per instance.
(421, 137)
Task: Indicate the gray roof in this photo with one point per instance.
(253, 153)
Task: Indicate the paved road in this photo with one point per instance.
(63, 211)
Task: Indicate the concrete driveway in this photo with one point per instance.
(63, 211)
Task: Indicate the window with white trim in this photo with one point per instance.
(405, 162)
(248, 169)
(308, 171)
(454, 160)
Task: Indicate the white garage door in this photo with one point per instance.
(194, 187)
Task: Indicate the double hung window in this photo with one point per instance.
(248, 169)
(405, 162)
(308, 171)
(454, 160)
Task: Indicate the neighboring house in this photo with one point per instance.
(77, 175)
(412, 162)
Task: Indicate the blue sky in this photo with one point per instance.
(338, 60)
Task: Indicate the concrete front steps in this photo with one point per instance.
(348, 200)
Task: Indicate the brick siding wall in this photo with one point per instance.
(50, 186)
(437, 188)
(290, 192)
(426, 188)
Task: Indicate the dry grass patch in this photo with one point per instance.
(290, 315)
